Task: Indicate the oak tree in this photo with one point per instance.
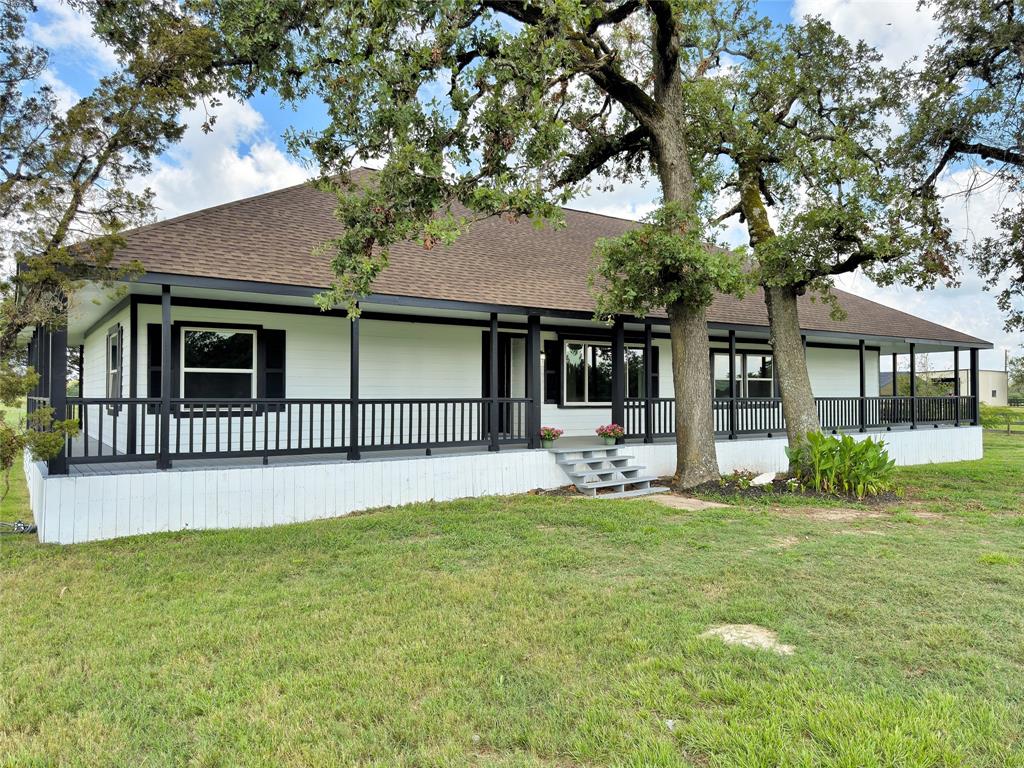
(820, 186)
(510, 108)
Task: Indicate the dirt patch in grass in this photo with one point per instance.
(729, 488)
(690, 504)
(750, 636)
(828, 514)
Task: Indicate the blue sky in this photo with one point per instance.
(245, 154)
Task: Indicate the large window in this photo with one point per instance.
(588, 372)
(755, 375)
(218, 363)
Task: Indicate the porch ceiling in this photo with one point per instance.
(94, 305)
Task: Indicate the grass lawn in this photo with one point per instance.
(533, 631)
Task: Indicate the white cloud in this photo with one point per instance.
(57, 26)
(625, 201)
(968, 307)
(896, 28)
(65, 95)
(237, 159)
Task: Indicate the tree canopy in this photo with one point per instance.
(969, 107)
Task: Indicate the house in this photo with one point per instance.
(214, 393)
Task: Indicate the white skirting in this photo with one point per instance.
(88, 507)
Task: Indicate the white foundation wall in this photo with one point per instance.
(78, 508)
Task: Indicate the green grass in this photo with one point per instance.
(532, 631)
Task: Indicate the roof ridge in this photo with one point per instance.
(310, 183)
(219, 207)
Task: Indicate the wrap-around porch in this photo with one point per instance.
(160, 423)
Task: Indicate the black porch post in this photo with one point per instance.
(533, 379)
(913, 386)
(353, 390)
(648, 383)
(492, 367)
(975, 392)
(31, 352)
(732, 385)
(133, 368)
(619, 374)
(58, 372)
(163, 461)
(956, 386)
(863, 389)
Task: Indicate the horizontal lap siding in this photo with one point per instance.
(836, 372)
(398, 360)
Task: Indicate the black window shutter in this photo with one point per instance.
(273, 343)
(655, 372)
(552, 370)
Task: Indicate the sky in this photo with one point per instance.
(245, 154)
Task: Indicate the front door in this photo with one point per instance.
(511, 368)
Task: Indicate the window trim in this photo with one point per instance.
(587, 403)
(741, 371)
(115, 334)
(253, 371)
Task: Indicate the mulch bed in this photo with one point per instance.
(729, 488)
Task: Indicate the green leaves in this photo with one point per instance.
(663, 261)
(842, 465)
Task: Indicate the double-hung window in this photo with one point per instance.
(587, 368)
(218, 363)
(755, 375)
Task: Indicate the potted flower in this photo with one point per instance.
(611, 433)
(548, 435)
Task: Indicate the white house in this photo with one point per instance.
(214, 393)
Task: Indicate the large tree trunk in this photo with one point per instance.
(798, 404)
(696, 458)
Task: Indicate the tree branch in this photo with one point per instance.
(600, 150)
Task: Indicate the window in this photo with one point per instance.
(113, 387)
(218, 363)
(270, 357)
(755, 375)
(587, 368)
(995, 393)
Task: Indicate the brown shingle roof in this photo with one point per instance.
(271, 238)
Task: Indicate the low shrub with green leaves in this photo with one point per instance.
(1001, 417)
(843, 466)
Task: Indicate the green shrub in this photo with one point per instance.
(995, 417)
(842, 465)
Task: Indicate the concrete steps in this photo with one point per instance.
(602, 468)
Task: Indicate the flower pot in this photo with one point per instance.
(609, 440)
(547, 443)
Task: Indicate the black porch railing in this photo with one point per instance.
(129, 429)
(763, 416)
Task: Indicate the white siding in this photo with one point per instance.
(405, 360)
(94, 378)
(836, 372)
